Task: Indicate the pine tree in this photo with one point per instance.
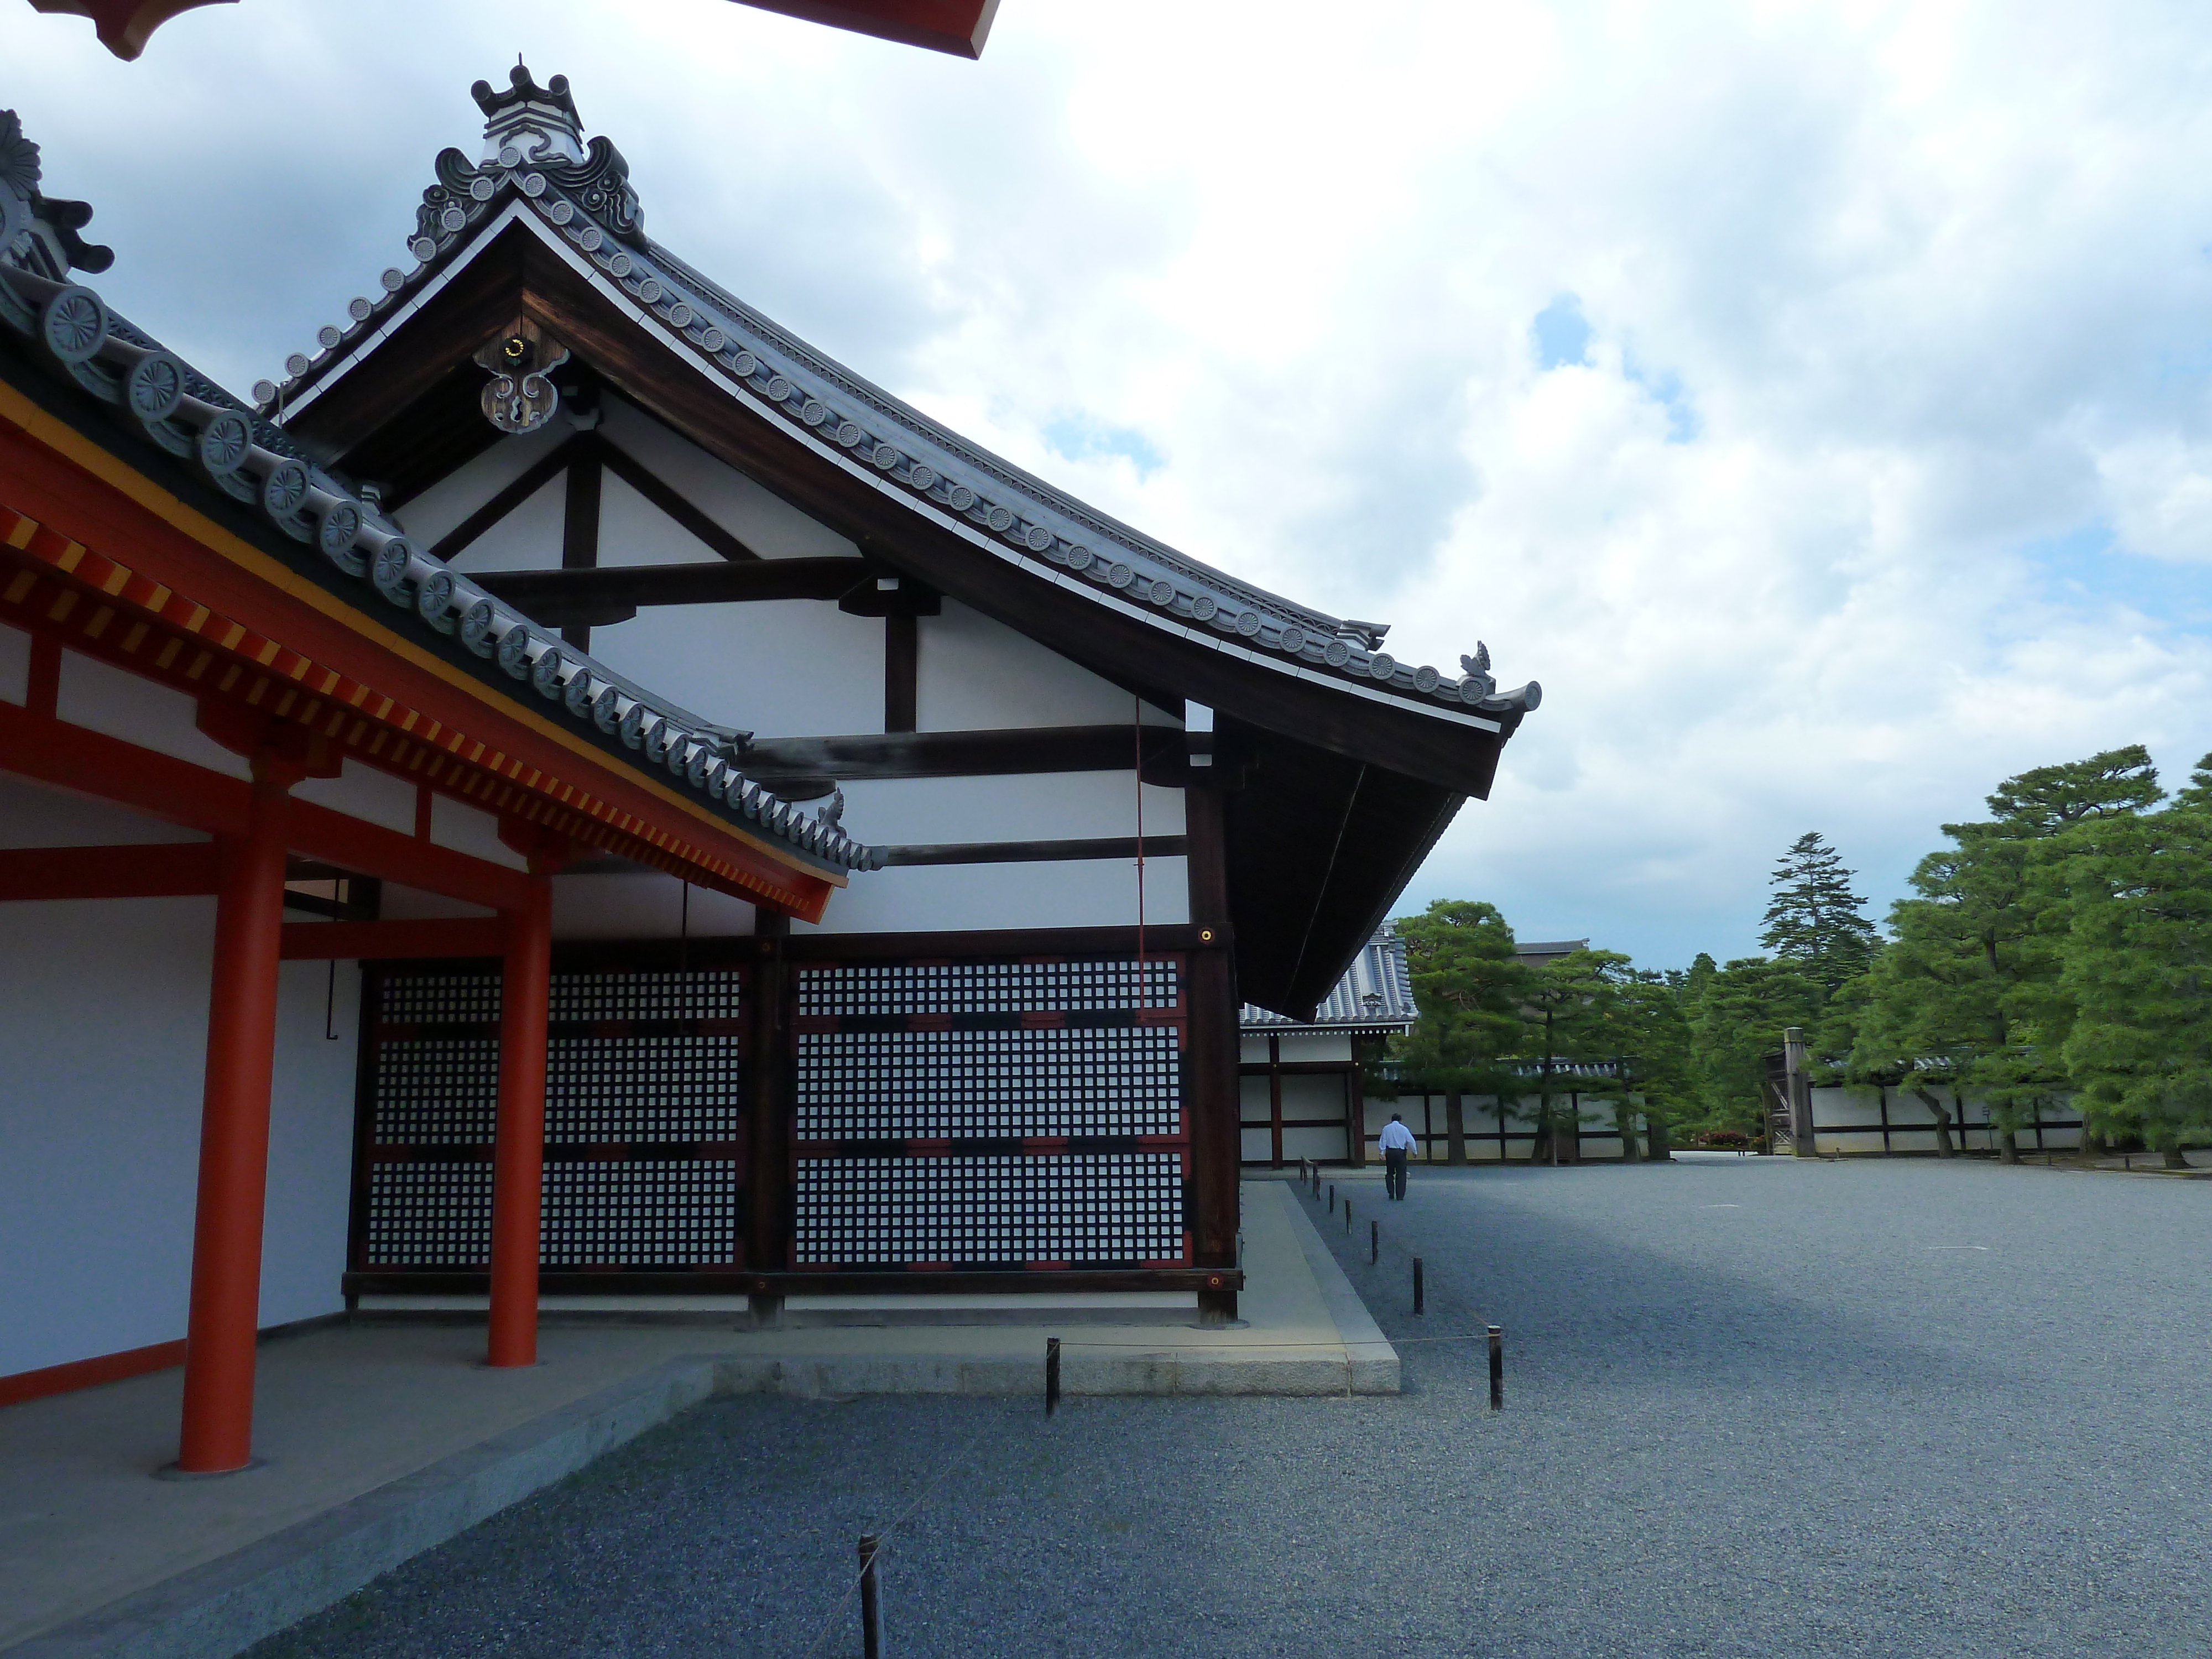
(2136, 962)
(1813, 921)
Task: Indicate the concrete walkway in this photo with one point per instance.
(382, 1440)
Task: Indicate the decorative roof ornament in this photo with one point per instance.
(528, 122)
(520, 398)
(39, 233)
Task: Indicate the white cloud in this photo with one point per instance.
(1895, 309)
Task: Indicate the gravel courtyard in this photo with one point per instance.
(1754, 1408)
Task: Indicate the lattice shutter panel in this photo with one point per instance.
(990, 1114)
(644, 1122)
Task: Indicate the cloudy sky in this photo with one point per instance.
(1813, 398)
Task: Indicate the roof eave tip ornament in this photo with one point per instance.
(124, 26)
(38, 233)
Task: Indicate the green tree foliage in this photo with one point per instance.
(2136, 961)
(1969, 997)
(1738, 1020)
(1641, 1028)
(1812, 920)
(1468, 986)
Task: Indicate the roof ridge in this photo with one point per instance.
(590, 205)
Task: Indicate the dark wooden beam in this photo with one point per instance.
(547, 595)
(579, 531)
(902, 672)
(1006, 753)
(1037, 851)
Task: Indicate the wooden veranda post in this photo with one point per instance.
(517, 1191)
(1213, 1098)
(233, 1174)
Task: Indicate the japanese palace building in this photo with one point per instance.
(572, 790)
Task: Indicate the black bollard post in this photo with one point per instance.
(1374, 1243)
(871, 1603)
(1316, 1181)
(1497, 1368)
(1417, 1284)
(1348, 1215)
(1332, 1198)
(1051, 1375)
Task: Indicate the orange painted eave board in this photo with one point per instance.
(115, 509)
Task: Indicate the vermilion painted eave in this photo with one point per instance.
(95, 497)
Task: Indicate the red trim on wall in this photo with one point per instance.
(90, 872)
(368, 941)
(90, 1373)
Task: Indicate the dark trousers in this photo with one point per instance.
(1393, 1172)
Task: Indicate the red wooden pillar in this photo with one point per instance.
(233, 1176)
(518, 1181)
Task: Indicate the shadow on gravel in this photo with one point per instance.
(1581, 1302)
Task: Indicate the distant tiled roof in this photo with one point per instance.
(1537, 954)
(1375, 994)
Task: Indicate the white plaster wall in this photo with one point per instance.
(446, 503)
(103, 1012)
(1088, 893)
(974, 674)
(528, 538)
(1032, 807)
(633, 531)
(783, 668)
(141, 711)
(461, 828)
(31, 815)
(364, 793)
(398, 904)
(763, 521)
(1324, 1045)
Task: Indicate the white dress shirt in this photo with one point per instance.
(1396, 1138)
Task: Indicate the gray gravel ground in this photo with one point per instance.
(1754, 1408)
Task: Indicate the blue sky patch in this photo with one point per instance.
(2085, 567)
(1562, 333)
(1084, 438)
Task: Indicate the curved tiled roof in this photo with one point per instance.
(581, 198)
(251, 459)
(1379, 972)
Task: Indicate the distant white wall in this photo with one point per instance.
(1866, 1119)
(103, 1021)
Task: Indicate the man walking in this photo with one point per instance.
(1396, 1141)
